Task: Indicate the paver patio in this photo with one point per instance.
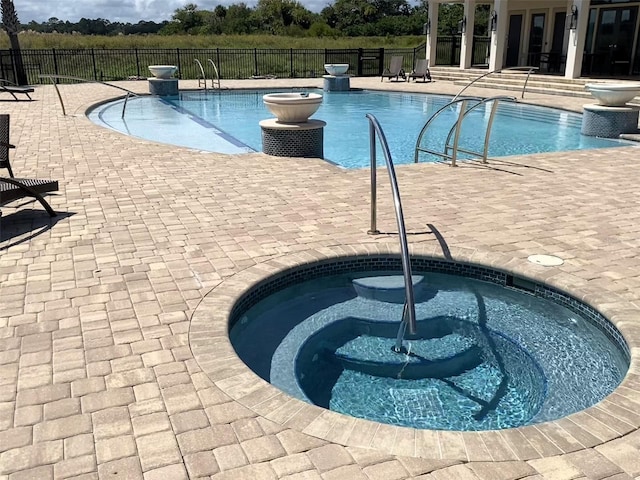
(98, 378)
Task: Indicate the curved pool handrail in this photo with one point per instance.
(215, 70)
(487, 134)
(432, 119)
(53, 79)
(203, 79)
(409, 311)
(528, 69)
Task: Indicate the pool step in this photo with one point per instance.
(389, 288)
(443, 357)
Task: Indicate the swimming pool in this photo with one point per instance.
(227, 122)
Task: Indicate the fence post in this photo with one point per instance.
(13, 66)
(255, 61)
(55, 61)
(178, 63)
(360, 62)
(381, 62)
(93, 61)
(2, 70)
(292, 74)
(454, 46)
(218, 62)
(137, 63)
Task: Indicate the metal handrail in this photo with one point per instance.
(204, 77)
(53, 79)
(215, 70)
(433, 117)
(527, 69)
(487, 134)
(409, 310)
(457, 127)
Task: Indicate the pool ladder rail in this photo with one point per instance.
(451, 149)
(202, 78)
(409, 311)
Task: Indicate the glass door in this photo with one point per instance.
(536, 39)
(513, 41)
(613, 44)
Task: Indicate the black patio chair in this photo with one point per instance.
(395, 69)
(12, 188)
(420, 71)
(11, 88)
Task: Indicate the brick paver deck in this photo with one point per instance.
(98, 377)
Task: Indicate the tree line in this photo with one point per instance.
(351, 18)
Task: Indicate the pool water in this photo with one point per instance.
(228, 122)
(485, 357)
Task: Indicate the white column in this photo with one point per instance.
(466, 46)
(499, 37)
(432, 38)
(577, 37)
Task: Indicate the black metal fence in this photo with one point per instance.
(448, 50)
(122, 64)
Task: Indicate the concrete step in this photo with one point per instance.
(554, 82)
(514, 81)
(537, 81)
(531, 84)
(531, 88)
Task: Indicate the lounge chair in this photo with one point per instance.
(395, 69)
(12, 88)
(12, 188)
(421, 70)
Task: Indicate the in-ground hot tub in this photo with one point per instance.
(493, 351)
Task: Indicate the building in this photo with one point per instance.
(577, 38)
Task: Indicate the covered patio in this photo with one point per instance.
(578, 38)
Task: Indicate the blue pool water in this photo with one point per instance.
(486, 357)
(227, 122)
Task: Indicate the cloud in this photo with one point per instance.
(123, 10)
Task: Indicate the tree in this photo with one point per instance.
(186, 20)
(277, 16)
(11, 24)
(321, 29)
(448, 17)
(369, 17)
(98, 26)
(220, 11)
(239, 20)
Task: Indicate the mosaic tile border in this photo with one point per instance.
(430, 265)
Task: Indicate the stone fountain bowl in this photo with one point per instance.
(292, 107)
(162, 71)
(336, 69)
(613, 94)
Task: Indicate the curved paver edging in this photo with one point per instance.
(209, 340)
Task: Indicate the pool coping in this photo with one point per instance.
(611, 418)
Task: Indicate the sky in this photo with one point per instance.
(131, 11)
